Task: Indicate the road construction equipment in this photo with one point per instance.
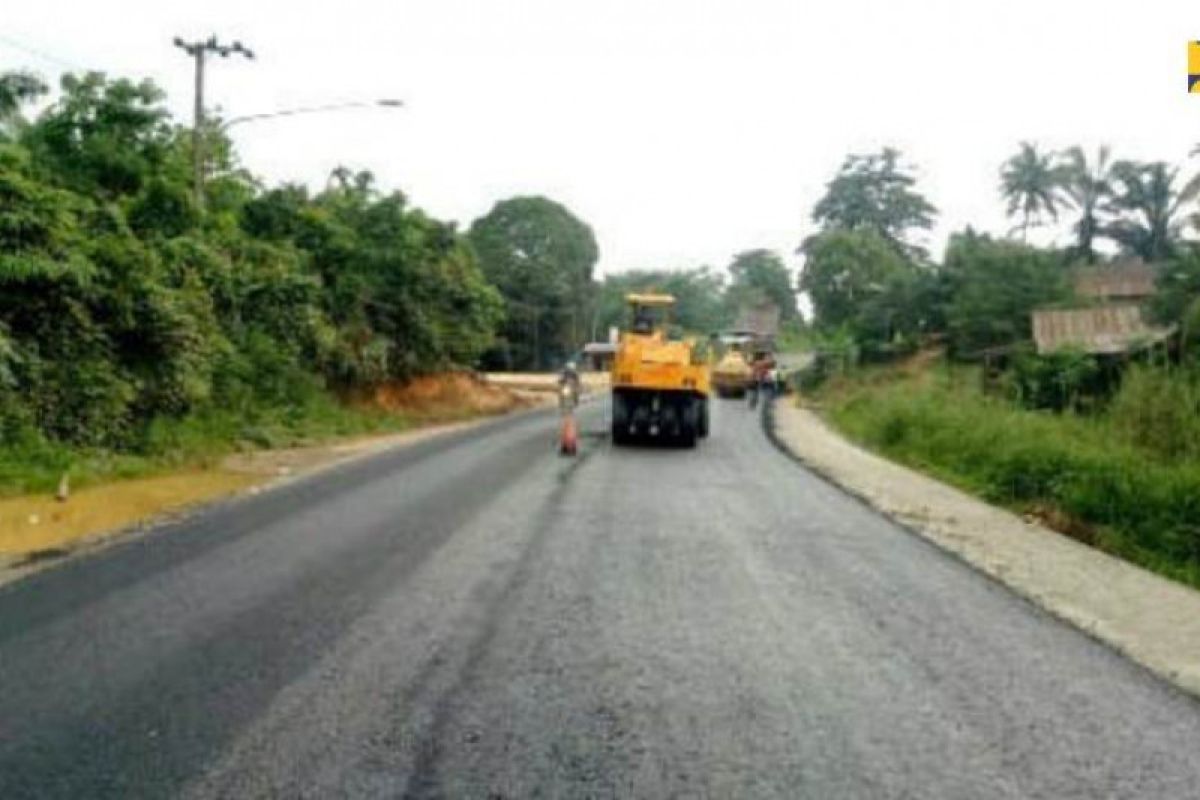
(751, 339)
(660, 386)
(731, 375)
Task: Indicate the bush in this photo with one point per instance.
(1056, 381)
(134, 322)
(993, 285)
(1158, 409)
(1117, 473)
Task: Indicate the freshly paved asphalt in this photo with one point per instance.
(473, 616)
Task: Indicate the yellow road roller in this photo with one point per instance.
(660, 386)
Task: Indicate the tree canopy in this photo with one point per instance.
(1031, 183)
(122, 304)
(16, 89)
(994, 286)
(847, 271)
(758, 275)
(1088, 185)
(699, 295)
(540, 256)
(1150, 201)
(876, 192)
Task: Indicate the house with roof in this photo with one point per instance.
(1113, 322)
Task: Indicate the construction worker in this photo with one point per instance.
(761, 370)
(568, 397)
(569, 386)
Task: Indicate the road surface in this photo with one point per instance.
(475, 617)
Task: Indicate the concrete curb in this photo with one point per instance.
(1149, 619)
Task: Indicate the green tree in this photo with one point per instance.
(540, 256)
(762, 273)
(1150, 202)
(404, 291)
(104, 136)
(698, 292)
(1030, 182)
(876, 192)
(845, 269)
(16, 89)
(1088, 185)
(1177, 301)
(123, 309)
(994, 286)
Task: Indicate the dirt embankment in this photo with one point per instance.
(452, 395)
(534, 383)
(35, 527)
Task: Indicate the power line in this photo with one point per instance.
(42, 54)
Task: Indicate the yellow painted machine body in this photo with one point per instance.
(654, 362)
(647, 359)
(660, 386)
(732, 375)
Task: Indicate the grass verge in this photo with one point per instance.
(33, 464)
(184, 462)
(1080, 474)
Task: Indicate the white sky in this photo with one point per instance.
(683, 131)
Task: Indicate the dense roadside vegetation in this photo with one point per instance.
(1126, 480)
(138, 329)
(933, 364)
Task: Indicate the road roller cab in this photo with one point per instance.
(660, 386)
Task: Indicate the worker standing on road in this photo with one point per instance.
(760, 376)
(568, 398)
(569, 386)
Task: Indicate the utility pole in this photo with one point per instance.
(198, 50)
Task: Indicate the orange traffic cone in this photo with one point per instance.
(568, 439)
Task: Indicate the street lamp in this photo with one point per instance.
(291, 112)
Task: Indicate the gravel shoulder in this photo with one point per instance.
(1150, 619)
(36, 531)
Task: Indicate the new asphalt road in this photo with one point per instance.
(473, 616)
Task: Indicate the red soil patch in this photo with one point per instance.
(446, 395)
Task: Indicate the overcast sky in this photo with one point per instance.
(682, 131)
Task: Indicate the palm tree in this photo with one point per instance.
(1148, 195)
(1030, 182)
(1192, 189)
(1088, 186)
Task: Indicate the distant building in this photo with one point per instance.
(1105, 330)
(1128, 281)
(598, 356)
(1114, 322)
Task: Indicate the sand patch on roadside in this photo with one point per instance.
(39, 527)
(34, 525)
